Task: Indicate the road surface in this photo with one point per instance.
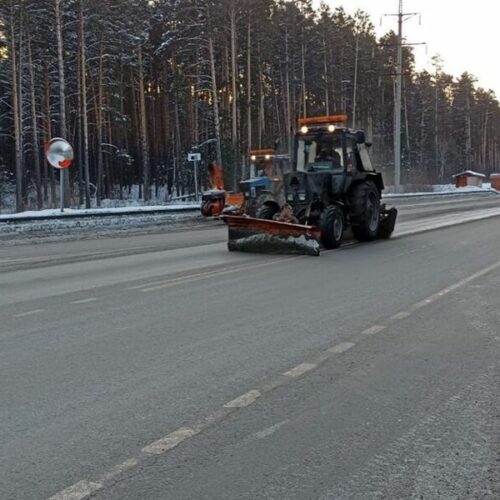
(161, 366)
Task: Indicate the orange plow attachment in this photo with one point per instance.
(247, 234)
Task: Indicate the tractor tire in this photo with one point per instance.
(206, 208)
(332, 227)
(365, 206)
(267, 212)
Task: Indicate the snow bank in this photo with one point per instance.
(444, 189)
(72, 212)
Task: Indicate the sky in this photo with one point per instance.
(466, 34)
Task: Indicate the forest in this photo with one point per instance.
(136, 85)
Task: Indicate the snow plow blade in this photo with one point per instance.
(247, 234)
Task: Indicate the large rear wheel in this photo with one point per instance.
(365, 206)
(332, 227)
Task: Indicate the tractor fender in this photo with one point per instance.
(270, 202)
(375, 177)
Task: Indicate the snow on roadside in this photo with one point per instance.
(444, 189)
(71, 212)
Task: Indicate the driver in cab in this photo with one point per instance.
(327, 153)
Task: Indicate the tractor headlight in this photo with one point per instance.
(253, 157)
(268, 157)
(302, 196)
(289, 197)
(304, 129)
(331, 128)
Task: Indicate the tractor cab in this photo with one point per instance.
(261, 162)
(324, 144)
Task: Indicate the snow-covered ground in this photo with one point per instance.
(443, 189)
(72, 212)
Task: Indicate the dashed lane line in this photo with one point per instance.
(28, 313)
(83, 489)
(300, 370)
(85, 301)
(79, 491)
(342, 347)
(119, 469)
(401, 315)
(244, 400)
(170, 441)
(373, 330)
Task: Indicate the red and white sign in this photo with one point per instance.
(59, 153)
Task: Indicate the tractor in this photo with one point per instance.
(333, 187)
(262, 186)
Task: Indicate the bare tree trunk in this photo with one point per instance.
(468, 133)
(288, 113)
(17, 114)
(49, 171)
(325, 76)
(143, 126)
(249, 90)
(234, 102)
(484, 145)
(62, 94)
(303, 83)
(79, 129)
(34, 125)
(99, 124)
(84, 109)
(215, 100)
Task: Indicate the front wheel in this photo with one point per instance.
(332, 227)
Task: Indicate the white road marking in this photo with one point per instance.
(401, 315)
(84, 301)
(119, 469)
(300, 370)
(270, 430)
(170, 441)
(373, 330)
(342, 347)
(83, 489)
(153, 287)
(28, 313)
(244, 400)
(79, 491)
(411, 227)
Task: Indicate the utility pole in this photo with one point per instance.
(398, 94)
(355, 91)
(397, 104)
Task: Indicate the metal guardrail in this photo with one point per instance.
(193, 209)
(161, 210)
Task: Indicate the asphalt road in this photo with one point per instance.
(370, 372)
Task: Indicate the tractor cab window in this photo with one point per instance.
(320, 153)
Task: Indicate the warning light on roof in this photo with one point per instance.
(331, 128)
(322, 120)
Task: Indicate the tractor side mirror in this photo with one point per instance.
(360, 137)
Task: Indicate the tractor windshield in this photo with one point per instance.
(320, 153)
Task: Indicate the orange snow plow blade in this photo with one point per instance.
(247, 234)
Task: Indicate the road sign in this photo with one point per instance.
(194, 156)
(59, 153)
